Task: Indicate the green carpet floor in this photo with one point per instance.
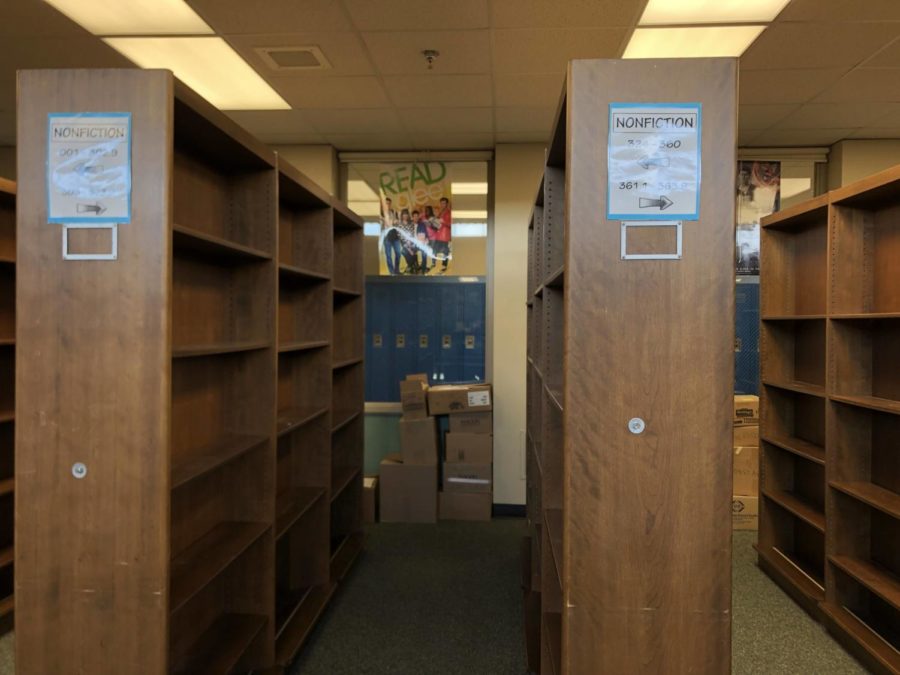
(445, 599)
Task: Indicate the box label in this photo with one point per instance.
(478, 399)
(653, 161)
(89, 167)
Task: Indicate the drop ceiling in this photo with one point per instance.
(825, 70)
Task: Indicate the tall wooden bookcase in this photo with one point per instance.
(182, 376)
(7, 396)
(830, 468)
(631, 533)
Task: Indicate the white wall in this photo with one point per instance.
(318, 162)
(517, 172)
(7, 162)
(850, 161)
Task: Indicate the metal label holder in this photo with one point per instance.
(114, 244)
(627, 224)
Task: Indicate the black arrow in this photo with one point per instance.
(97, 208)
(663, 203)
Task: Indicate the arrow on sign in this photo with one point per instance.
(663, 203)
(646, 161)
(96, 209)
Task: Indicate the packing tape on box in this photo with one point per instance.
(475, 481)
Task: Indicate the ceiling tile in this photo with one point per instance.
(358, 121)
(344, 51)
(568, 14)
(528, 89)
(784, 138)
(296, 138)
(272, 121)
(817, 45)
(877, 132)
(889, 57)
(763, 116)
(331, 92)
(448, 120)
(785, 86)
(864, 84)
(230, 17)
(470, 141)
(418, 16)
(825, 115)
(370, 141)
(434, 89)
(525, 119)
(888, 116)
(523, 137)
(548, 51)
(23, 18)
(746, 137)
(841, 10)
(400, 53)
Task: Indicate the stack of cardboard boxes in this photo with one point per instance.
(408, 482)
(468, 467)
(745, 503)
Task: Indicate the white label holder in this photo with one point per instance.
(114, 241)
(627, 224)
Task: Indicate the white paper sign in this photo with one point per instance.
(478, 399)
(89, 168)
(654, 161)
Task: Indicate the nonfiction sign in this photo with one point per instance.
(654, 161)
(89, 167)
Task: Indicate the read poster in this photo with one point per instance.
(758, 195)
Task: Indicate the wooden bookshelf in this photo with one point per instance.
(7, 396)
(192, 375)
(830, 513)
(612, 339)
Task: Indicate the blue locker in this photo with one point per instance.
(378, 332)
(746, 335)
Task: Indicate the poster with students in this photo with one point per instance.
(758, 195)
(416, 218)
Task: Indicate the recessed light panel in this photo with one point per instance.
(133, 17)
(691, 42)
(671, 12)
(208, 65)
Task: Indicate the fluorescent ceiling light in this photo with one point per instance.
(208, 65)
(469, 215)
(672, 43)
(710, 11)
(469, 188)
(133, 17)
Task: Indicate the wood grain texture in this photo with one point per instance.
(647, 525)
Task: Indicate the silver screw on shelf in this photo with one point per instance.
(79, 470)
(636, 425)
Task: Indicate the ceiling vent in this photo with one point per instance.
(294, 58)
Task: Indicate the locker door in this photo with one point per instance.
(452, 333)
(403, 327)
(427, 330)
(378, 323)
(473, 307)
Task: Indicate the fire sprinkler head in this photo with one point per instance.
(430, 55)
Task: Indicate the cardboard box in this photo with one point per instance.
(746, 436)
(455, 398)
(467, 477)
(413, 398)
(418, 440)
(472, 448)
(744, 513)
(746, 471)
(746, 409)
(466, 505)
(472, 423)
(407, 492)
(370, 499)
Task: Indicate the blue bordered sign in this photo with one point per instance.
(89, 167)
(654, 161)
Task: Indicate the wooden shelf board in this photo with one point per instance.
(298, 626)
(347, 292)
(872, 316)
(557, 279)
(553, 521)
(341, 478)
(797, 507)
(874, 577)
(7, 342)
(857, 637)
(345, 554)
(871, 402)
(344, 418)
(213, 457)
(874, 495)
(799, 215)
(539, 291)
(7, 415)
(789, 571)
(301, 345)
(294, 418)
(7, 486)
(556, 396)
(217, 348)
(301, 273)
(553, 622)
(7, 605)
(346, 363)
(537, 454)
(201, 562)
(299, 501)
(797, 446)
(189, 239)
(220, 649)
(7, 556)
(798, 387)
(794, 317)
(6, 260)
